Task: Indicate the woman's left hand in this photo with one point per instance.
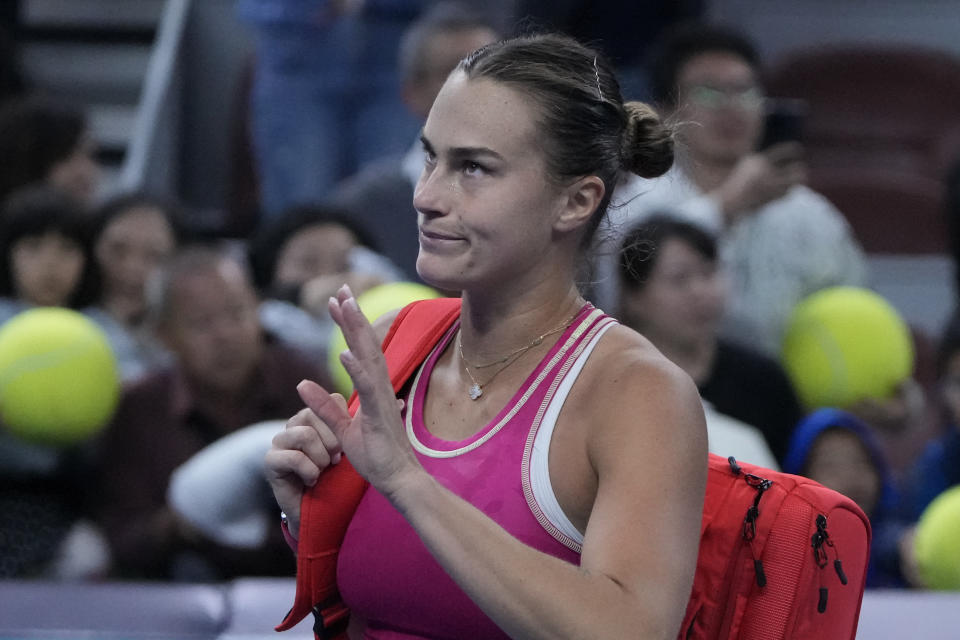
(373, 439)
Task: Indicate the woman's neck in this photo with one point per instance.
(492, 326)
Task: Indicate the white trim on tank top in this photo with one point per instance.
(540, 456)
(578, 331)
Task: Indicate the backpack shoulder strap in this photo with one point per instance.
(412, 336)
(328, 506)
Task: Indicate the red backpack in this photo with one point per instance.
(781, 557)
(770, 563)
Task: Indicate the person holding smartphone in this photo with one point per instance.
(779, 240)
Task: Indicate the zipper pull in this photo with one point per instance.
(733, 465)
(838, 567)
(750, 520)
(817, 541)
(820, 541)
(758, 569)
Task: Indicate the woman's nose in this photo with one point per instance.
(429, 194)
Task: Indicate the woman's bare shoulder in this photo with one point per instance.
(624, 356)
(628, 382)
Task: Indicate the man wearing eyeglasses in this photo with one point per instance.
(779, 240)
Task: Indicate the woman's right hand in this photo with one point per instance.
(299, 454)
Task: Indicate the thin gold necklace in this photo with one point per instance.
(476, 389)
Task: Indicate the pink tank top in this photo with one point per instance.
(385, 573)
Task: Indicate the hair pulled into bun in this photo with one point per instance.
(647, 145)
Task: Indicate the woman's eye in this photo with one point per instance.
(473, 168)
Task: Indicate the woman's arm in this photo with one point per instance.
(648, 448)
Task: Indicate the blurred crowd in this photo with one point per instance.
(718, 264)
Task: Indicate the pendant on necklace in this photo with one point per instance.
(475, 391)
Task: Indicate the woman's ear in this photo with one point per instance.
(582, 199)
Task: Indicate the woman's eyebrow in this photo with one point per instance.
(461, 152)
(426, 143)
(473, 152)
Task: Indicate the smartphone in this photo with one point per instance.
(784, 121)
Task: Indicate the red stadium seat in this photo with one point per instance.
(895, 107)
(890, 212)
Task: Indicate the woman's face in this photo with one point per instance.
(682, 300)
(46, 269)
(78, 175)
(314, 251)
(486, 209)
(128, 250)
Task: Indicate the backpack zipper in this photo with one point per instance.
(760, 485)
(820, 540)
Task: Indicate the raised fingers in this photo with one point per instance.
(364, 361)
(357, 330)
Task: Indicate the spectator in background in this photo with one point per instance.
(44, 523)
(325, 96)
(42, 520)
(380, 196)
(779, 241)
(672, 292)
(837, 450)
(849, 348)
(45, 250)
(300, 259)
(935, 470)
(226, 375)
(938, 467)
(43, 141)
(132, 235)
(222, 492)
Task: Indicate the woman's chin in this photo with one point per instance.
(448, 288)
(437, 276)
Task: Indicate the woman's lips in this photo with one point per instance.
(431, 239)
(439, 235)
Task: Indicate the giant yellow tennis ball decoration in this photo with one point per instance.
(937, 542)
(373, 303)
(59, 382)
(844, 344)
